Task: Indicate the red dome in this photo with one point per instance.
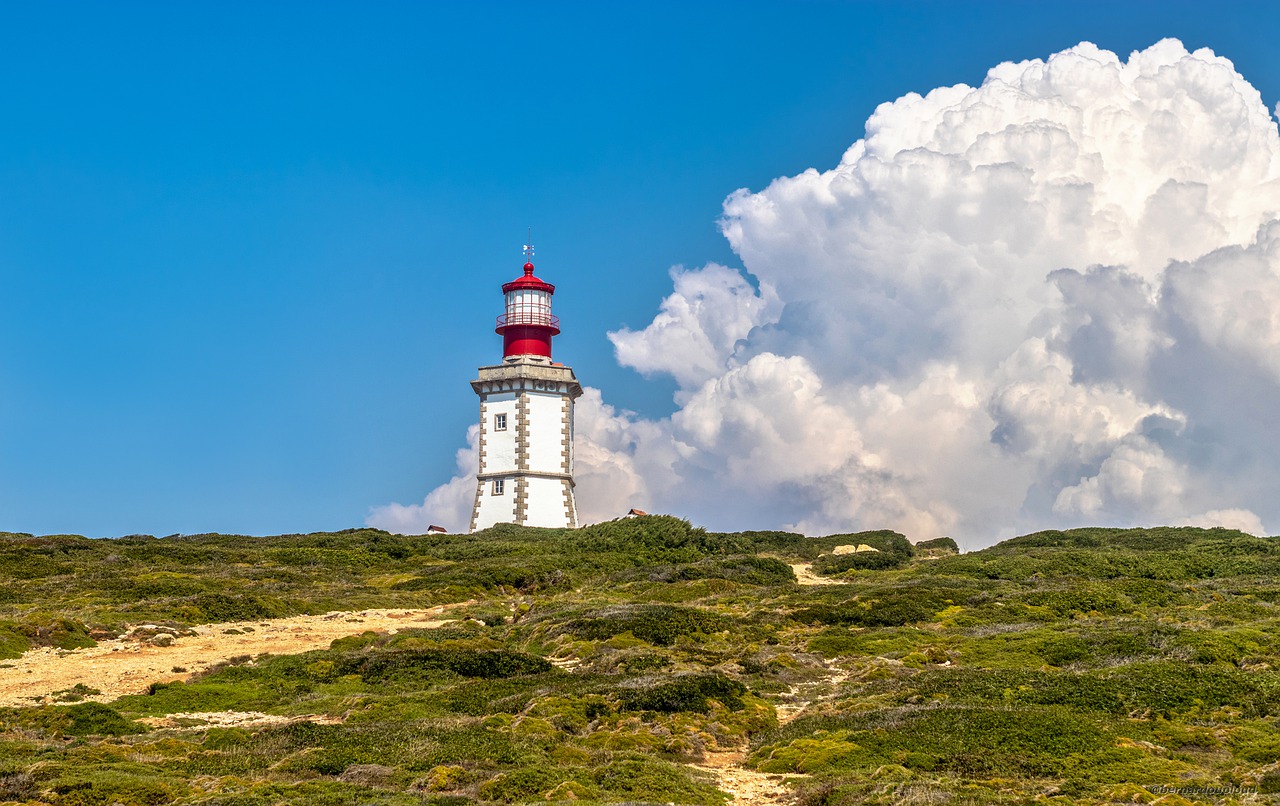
(528, 281)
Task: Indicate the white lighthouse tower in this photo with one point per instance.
(526, 417)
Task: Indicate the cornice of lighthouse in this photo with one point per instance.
(527, 374)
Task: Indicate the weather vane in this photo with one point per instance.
(528, 248)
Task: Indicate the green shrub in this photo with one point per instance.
(685, 693)
(12, 641)
(61, 633)
(1164, 688)
(938, 544)
(158, 585)
(219, 607)
(354, 642)
(1174, 682)
(1172, 554)
(542, 575)
(651, 781)
(1080, 599)
(747, 570)
(829, 564)
(1063, 649)
(657, 624)
(973, 742)
(418, 664)
(109, 787)
(1149, 592)
(520, 786)
(226, 738)
(887, 607)
(646, 662)
(74, 694)
(93, 719)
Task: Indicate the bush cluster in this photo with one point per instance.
(657, 624)
(427, 664)
(746, 569)
(897, 606)
(684, 693)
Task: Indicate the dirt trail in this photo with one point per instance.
(805, 576)
(748, 787)
(127, 666)
(752, 788)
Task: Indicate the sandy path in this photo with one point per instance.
(752, 788)
(805, 576)
(124, 666)
(748, 787)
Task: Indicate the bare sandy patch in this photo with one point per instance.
(129, 665)
(805, 576)
(232, 719)
(748, 787)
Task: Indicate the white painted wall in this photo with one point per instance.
(546, 436)
(500, 446)
(546, 503)
(497, 508)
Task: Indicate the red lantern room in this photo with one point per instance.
(527, 326)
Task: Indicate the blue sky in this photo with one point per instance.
(250, 253)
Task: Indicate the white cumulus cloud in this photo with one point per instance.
(1046, 301)
(700, 324)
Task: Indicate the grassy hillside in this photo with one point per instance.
(1085, 667)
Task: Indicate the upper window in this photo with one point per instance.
(499, 422)
(499, 486)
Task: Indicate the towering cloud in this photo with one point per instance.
(1050, 300)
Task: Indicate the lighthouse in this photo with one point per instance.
(526, 417)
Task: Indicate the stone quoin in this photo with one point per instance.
(526, 417)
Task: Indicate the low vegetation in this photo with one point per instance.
(1092, 666)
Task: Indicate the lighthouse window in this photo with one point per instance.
(499, 486)
(499, 422)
